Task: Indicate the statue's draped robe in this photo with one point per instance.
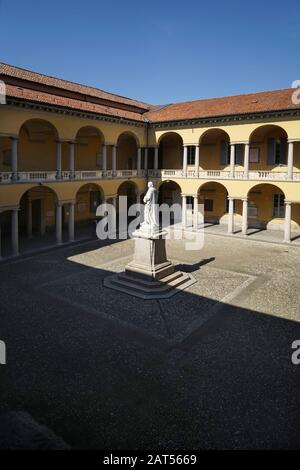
(151, 209)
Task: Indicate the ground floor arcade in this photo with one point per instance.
(43, 216)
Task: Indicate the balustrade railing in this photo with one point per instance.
(44, 176)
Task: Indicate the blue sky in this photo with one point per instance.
(159, 51)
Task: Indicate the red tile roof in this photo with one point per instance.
(36, 87)
(34, 77)
(47, 98)
(277, 100)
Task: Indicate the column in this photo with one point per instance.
(14, 157)
(146, 159)
(15, 232)
(29, 218)
(245, 216)
(139, 160)
(232, 160)
(287, 222)
(71, 221)
(156, 158)
(59, 223)
(230, 215)
(58, 160)
(246, 160)
(114, 159)
(138, 197)
(183, 208)
(72, 159)
(104, 158)
(197, 160)
(184, 167)
(195, 218)
(290, 161)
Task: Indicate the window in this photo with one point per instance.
(278, 205)
(208, 205)
(277, 156)
(277, 151)
(254, 155)
(191, 155)
(151, 152)
(7, 157)
(99, 160)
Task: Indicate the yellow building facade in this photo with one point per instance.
(64, 148)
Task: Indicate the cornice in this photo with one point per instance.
(183, 123)
(72, 112)
(228, 119)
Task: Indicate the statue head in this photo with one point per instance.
(150, 184)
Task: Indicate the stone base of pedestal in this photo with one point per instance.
(150, 275)
(152, 289)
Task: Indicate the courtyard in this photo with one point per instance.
(209, 368)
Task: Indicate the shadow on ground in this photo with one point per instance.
(102, 371)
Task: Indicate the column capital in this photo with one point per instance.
(239, 142)
(231, 198)
(14, 137)
(288, 202)
(244, 199)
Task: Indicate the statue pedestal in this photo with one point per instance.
(150, 275)
(150, 258)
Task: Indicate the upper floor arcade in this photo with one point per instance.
(39, 153)
(266, 152)
(54, 130)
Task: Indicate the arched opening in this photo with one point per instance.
(6, 234)
(127, 146)
(212, 198)
(89, 150)
(169, 193)
(268, 148)
(37, 212)
(30, 226)
(214, 150)
(170, 152)
(5, 154)
(37, 146)
(88, 198)
(129, 189)
(266, 208)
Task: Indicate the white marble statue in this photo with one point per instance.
(151, 221)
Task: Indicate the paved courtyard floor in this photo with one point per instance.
(209, 368)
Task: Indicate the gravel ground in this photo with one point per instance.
(209, 368)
